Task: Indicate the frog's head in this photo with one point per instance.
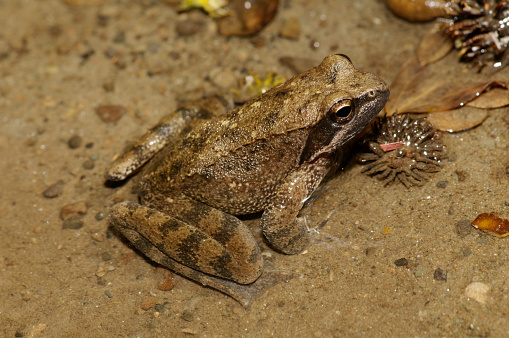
(349, 100)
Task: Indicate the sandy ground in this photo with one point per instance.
(58, 63)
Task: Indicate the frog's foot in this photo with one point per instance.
(245, 294)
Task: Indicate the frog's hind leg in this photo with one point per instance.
(165, 132)
(220, 253)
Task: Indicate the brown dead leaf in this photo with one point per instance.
(434, 46)
(458, 120)
(494, 98)
(440, 86)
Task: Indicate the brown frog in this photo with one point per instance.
(269, 154)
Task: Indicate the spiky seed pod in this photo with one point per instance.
(405, 150)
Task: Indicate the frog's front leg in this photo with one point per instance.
(202, 238)
(279, 221)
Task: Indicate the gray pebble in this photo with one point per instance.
(75, 142)
(54, 190)
(187, 315)
(106, 256)
(100, 215)
(463, 228)
(108, 293)
(74, 222)
(466, 252)
(440, 275)
(442, 184)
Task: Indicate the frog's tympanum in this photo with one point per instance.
(268, 155)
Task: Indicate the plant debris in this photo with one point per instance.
(405, 150)
(492, 224)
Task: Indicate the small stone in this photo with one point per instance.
(440, 275)
(73, 209)
(419, 272)
(89, 145)
(101, 271)
(290, 28)
(442, 184)
(74, 223)
(462, 175)
(478, 291)
(401, 262)
(187, 315)
(188, 27)
(463, 228)
(109, 86)
(100, 215)
(98, 237)
(108, 293)
(160, 307)
(371, 251)
(222, 78)
(75, 142)
(110, 113)
(466, 252)
(106, 256)
(54, 190)
(101, 281)
(148, 303)
(89, 164)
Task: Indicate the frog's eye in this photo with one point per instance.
(341, 111)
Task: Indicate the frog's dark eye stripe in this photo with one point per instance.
(341, 111)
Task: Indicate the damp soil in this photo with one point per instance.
(385, 260)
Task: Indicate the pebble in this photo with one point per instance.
(54, 190)
(106, 256)
(101, 271)
(371, 251)
(148, 303)
(466, 252)
(189, 27)
(440, 275)
(73, 209)
(89, 164)
(187, 315)
(442, 184)
(100, 215)
(401, 262)
(110, 113)
(74, 223)
(419, 272)
(108, 293)
(75, 142)
(478, 291)
(462, 175)
(290, 28)
(463, 228)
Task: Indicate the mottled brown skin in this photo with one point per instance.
(269, 154)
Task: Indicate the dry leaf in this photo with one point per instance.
(458, 120)
(495, 98)
(434, 46)
(440, 86)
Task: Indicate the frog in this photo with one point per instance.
(267, 156)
